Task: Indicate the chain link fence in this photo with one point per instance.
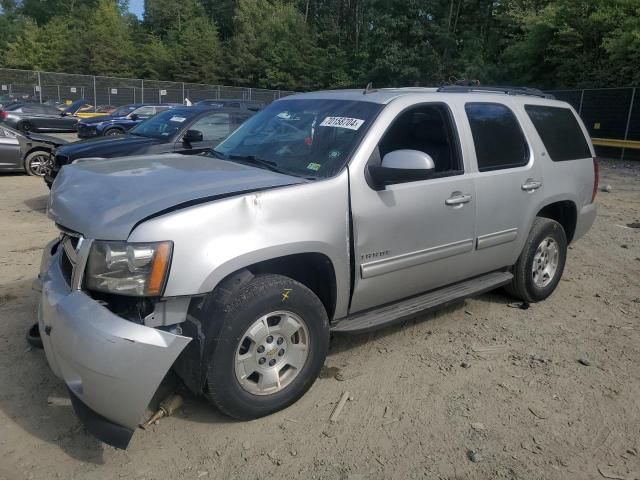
(609, 114)
(99, 90)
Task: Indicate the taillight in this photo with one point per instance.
(596, 179)
(3, 114)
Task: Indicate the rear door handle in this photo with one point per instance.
(531, 185)
(458, 199)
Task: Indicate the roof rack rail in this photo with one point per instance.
(534, 92)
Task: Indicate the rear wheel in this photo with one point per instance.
(25, 127)
(270, 349)
(36, 163)
(541, 263)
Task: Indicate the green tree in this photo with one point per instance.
(161, 17)
(108, 46)
(28, 49)
(196, 51)
(154, 58)
(272, 47)
(622, 43)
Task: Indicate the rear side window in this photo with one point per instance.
(497, 136)
(560, 132)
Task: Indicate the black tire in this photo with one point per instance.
(25, 127)
(523, 285)
(112, 131)
(33, 336)
(262, 295)
(35, 163)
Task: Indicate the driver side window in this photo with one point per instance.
(428, 129)
(214, 127)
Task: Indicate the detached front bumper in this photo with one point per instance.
(84, 132)
(111, 366)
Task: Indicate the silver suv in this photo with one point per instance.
(327, 212)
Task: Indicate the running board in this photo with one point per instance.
(396, 312)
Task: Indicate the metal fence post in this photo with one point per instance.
(58, 92)
(95, 94)
(142, 92)
(39, 87)
(581, 100)
(183, 93)
(626, 130)
(218, 93)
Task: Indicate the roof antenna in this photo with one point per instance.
(369, 88)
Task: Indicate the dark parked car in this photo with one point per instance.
(28, 153)
(7, 99)
(120, 121)
(186, 130)
(253, 105)
(36, 117)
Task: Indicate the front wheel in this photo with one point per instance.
(270, 349)
(112, 131)
(37, 163)
(539, 268)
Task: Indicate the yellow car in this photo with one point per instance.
(83, 109)
(89, 112)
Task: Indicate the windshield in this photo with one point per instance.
(123, 111)
(164, 125)
(307, 138)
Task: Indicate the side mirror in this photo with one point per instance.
(192, 136)
(401, 166)
(134, 116)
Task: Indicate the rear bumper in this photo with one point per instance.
(111, 366)
(586, 217)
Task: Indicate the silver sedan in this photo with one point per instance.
(25, 153)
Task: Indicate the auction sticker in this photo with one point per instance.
(177, 119)
(342, 122)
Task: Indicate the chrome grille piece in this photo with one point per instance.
(74, 257)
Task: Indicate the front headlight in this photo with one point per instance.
(135, 269)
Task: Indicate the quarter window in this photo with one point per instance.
(497, 136)
(560, 132)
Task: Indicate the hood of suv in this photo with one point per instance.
(108, 147)
(105, 199)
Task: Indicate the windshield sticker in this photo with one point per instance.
(177, 119)
(342, 122)
(314, 166)
(333, 154)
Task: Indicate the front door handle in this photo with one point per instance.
(531, 185)
(458, 199)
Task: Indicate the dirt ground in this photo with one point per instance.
(480, 390)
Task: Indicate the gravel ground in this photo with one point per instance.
(480, 390)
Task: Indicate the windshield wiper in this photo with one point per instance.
(212, 152)
(259, 162)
